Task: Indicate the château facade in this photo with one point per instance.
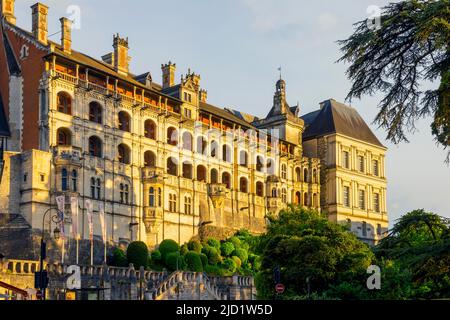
(163, 161)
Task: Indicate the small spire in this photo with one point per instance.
(279, 69)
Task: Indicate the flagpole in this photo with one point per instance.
(63, 250)
(77, 249)
(92, 252)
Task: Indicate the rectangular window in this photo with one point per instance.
(362, 199)
(361, 163)
(364, 229)
(172, 203)
(376, 169)
(346, 160)
(376, 202)
(188, 113)
(347, 197)
(379, 230)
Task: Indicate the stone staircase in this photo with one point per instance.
(187, 286)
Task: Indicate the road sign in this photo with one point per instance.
(280, 288)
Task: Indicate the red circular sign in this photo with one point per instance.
(280, 288)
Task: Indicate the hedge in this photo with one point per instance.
(193, 261)
(137, 254)
(168, 246)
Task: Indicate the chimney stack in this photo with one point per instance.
(121, 58)
(168, 74)
(39, 22)
(66, 35)
(8, 11)
(203, 95)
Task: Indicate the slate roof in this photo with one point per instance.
(224, 114)
(336, 117)
(4, 126)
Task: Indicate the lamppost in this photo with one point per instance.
(57, 218)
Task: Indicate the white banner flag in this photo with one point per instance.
(101, 209)
(74, 209)
(61, 202)
(90, 212)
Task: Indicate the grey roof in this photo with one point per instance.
(4, 126)
(335, 117)
(224, 114)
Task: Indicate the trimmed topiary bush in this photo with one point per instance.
(237, 261)
(212, 254)
(172, 259)
(195, 245)
(229, 265)
(241, 254)
(137, 254)
(215, 270)
(227, 248)
(184, 249)
(204, 259)
(119, 259)
(156, 256)
(235, 241)
(193, 261)
(213, 243)
(168, 246)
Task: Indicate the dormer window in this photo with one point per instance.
(187, 97)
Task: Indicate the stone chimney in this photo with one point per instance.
(121, 58)
(168, 74)
(39, 22)
(8, 11)
(66, 35)
(203, 95)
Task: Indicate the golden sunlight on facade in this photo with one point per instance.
(163, 161)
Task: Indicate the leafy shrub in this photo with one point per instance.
(237, 261)
(195, 245)
(184, 249)
(168, 246)
(156, 256)
(241, 254)
(194, 262)
(235, 241)
(212, 254)
(119, 259)
(175, 261)
(227, 248)
(214, 270)
(229, 265)
(213, 243)
(204, 259)
(137, 254)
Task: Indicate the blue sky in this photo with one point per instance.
(237, 46)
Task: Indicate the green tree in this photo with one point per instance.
(137, 254)
(119, 259)
(168, 246)
(410, 46)
(420, 243)
(195, 245)
(312, 253)
(227, 248)
(193, 261)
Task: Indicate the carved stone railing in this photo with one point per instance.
(22, 267)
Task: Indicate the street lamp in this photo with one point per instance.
(57, 218)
